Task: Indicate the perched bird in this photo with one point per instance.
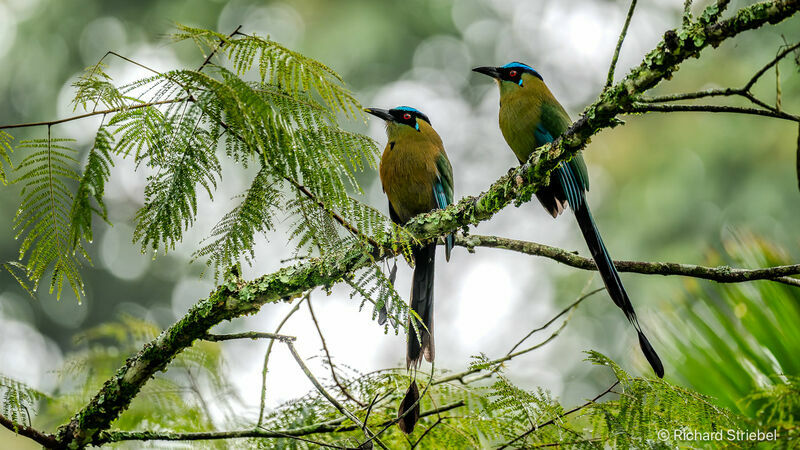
(530, 116)
(416, 177)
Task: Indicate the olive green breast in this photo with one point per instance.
(523, 110)
(408, 169)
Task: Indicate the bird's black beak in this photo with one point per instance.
(491, 71)
(380, 113)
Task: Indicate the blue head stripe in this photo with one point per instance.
(409, 109)
(413, 111)
(524, 68)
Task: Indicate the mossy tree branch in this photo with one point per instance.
(46, 440)
(236, 297)
(720, 274)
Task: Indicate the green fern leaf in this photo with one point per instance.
(234, 235)
(95, 86)
(187, 160)
(92, 185)
(43, 217)
(5, 155)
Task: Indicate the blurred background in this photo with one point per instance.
(684, 187)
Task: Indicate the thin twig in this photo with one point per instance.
(461, 375)
(195, 389)
(45, 439)
(721, 274)
(774, 61)
(94, 113)
(416, 443)
(647, 107)
(728, 92)
(613, 66)
(330, 359)
(264, 370)
(562, 444)
(221, 43)
(549, 322)
(317, 443)
(560, 416)
(331, 399)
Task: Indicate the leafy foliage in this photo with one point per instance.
(5, 152)
(19, 401)
(96, 87)
(735, 339)
(176, 126)
(44, 216)
(235, 233)
(489, 416)
(92, 185)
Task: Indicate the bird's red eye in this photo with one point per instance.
(512, 74)
(406, 116)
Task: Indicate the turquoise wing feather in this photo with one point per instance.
(443, 192)
(555, 121)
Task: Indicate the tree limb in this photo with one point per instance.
(646, 107)
(248, 335)
(236, 297)
(45, 439)
(720, 274)
(333, 426)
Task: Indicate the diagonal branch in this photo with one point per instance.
(721, 274)
(518, 186)
(335, 377)
(369, 434)
(45, 439)
(263, 404)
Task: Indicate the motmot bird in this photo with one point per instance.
(530, 116)
(417, 178)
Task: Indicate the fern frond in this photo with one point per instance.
(138, 131)
(277, 65)
(314, 228)
(189, 159)
(5, 155)
(95, 86)
(373, 286)
(234, 235)
(43, 217)
(649, 405)
(92, 185)
(19, 400)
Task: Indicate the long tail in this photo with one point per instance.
(422, 304)
(611, 278)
